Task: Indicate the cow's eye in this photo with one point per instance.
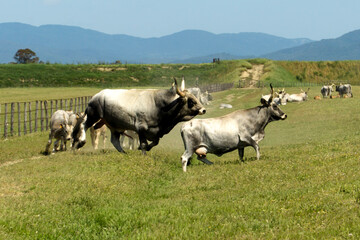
(191, 103)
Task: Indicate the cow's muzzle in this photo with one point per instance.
(202, 111)
(283, 117)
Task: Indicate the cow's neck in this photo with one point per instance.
(170, 107)
(263, 117)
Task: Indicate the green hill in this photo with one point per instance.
(280, 73)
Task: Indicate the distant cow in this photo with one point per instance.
(344, 89)
(317, 98)
(132, 140)
(225, 105)
(300, 97)
(327, 90)
(96, 134)
(236, 130)
(61, 126)
(204, 97)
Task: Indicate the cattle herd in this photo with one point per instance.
(145, 116)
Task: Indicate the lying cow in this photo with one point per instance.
(300, 97)
(344, 89)
(61, 126)
(327, 90)
(151, 113)
(96, 134)
(236, 130)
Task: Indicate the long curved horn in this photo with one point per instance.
(271, 94)
(180, 93)
(182, 84)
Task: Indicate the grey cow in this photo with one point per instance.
(344, 89)
(61, 126)
(151, 113)
(204, 97)
(327, 90)
(236, 130)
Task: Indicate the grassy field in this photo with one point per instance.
(305, 186)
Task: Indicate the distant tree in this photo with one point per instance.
(26, 56)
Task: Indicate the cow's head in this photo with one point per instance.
(275, 112)
(186, 106)
(78, 133)
(65, 131)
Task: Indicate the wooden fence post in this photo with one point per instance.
(46, 116)
(25, 115)
(71, 104)
(51, 107)
(66, 107)
(36, 115)
(61, 104)
(12, 109)
(82, 104)
(41, 116)
(5, 121)
(30, 122)
(19, 119)
(75, 104)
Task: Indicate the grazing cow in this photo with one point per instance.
(96, 134)
(344, 89)
(318, 97)
(133, 140)
(236, 130)
(327, 90)
(61, 126)
(151, 113)
(300, 97)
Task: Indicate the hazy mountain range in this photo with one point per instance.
(68, 44)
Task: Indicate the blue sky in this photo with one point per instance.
(314, 19)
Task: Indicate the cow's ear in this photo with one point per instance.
(264, 102)
(61, 126)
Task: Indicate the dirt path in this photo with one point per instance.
(252, 76)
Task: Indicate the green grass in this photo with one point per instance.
(305, 186)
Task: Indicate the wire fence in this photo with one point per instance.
(21, 118)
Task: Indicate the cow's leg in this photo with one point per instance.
(56, 145)
(185, 158)
(152, 144)
(116, 141)
(96, 139)
(256, 147)
(104, 139)
(241, 153)
(47, 148)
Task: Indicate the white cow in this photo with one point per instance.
(132, 140)
(61, 126)
(96, 134)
